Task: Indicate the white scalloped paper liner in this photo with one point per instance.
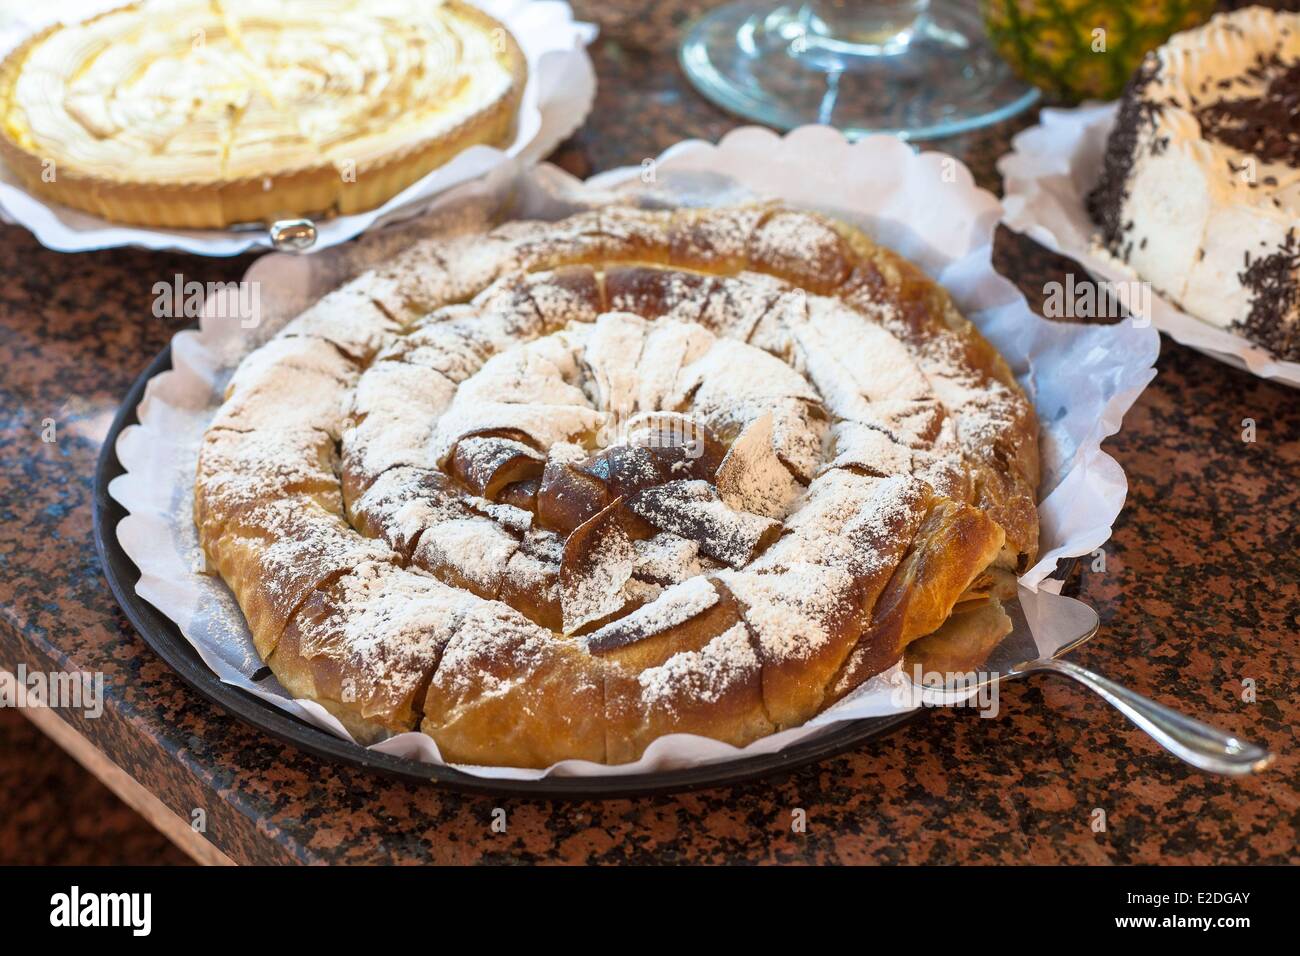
(1047, 175)
(926, 206)
(560, 91)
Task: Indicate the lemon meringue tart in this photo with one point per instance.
(208, 113)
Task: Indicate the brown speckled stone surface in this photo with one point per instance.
(1201, 590)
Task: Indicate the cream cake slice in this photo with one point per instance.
(1200, 191)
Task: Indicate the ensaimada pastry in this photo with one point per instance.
(555, 490)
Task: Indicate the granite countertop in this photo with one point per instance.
(1200, 592)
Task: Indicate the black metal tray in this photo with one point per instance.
(166, 639)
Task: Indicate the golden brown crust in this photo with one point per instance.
(511, 695)
(953, 545)
(462, 405)
(375, 684)
(318, 191)
(276, 554)
(722, 700)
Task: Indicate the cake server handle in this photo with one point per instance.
(1201, 745)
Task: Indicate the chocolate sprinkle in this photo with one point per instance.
(1106, 201)
(1274, 319)
(1268, 125)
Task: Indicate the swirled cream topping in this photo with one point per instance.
(212, 90)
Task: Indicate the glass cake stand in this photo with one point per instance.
(915, 68)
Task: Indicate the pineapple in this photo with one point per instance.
(1085, 49)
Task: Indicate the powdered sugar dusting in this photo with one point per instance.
(591, 584)
(667, 559)
(793, 611)
(692, 509)
(395, 617)
(474, 549)
(675, 606)
(752, 477)
(703, 676)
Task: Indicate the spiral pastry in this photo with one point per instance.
(205, 113)
(555, 490)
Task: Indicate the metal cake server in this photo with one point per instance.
(1200, 745)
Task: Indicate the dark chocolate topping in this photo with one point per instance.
(1106, 201)
(1274, 318)
(1268, 125)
